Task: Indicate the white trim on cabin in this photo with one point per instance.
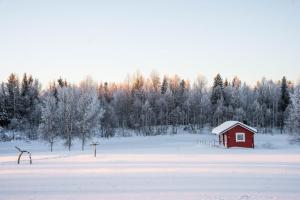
(237, 139)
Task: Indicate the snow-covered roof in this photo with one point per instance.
(230, 124)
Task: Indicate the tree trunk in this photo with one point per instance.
(51, 146)
(82, 143)
(69, 142)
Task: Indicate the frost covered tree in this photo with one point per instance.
(200, 108)
(49, 123)
(88, 111)
(122, 105)
(162, 115)
(68, 99)
(155, 81)
(266, 94)
(293, 121)
(71, 111)
(247, 99)
(147, 118)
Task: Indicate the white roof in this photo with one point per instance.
(230, 124)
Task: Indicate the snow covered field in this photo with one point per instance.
(161, 167)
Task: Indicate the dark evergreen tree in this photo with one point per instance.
(53, 90)
(4, 120)
(62, 83)
(226, 84)
(25, 101)
(13, 97)
(164, 85)
(107, 94)
(217, 90)
(108, 121)
(181, 93)
(283, 102)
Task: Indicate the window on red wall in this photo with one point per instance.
(240, 137)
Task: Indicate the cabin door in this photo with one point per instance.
(225, 140)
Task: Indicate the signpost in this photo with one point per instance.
(95, 144)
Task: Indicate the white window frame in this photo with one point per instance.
(236, 137)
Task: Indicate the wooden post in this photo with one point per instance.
(95, 144)
(21, 153)
(51, 145)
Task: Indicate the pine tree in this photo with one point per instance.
(4, 120)
(25, 98)
(218, 82)
(13, 98)
(283, 102)
(226, 84)
(164, 86)
(217, 90)
(108, 121)
(181, 93)
(62, 83)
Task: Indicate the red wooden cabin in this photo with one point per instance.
(235, 134)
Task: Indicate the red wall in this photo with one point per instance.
(231, 137)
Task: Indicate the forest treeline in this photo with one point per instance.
(149, 105)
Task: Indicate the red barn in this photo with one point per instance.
(235, 134)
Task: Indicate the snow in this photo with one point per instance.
(166, 167)
(229, 124)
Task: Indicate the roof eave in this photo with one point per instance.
(253, 130)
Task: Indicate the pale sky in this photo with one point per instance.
(109, 39)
